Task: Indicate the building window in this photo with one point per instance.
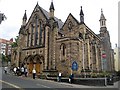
(27, 39)
(36, 31)
(103, 23)
(63, 49)
(80, 36)
(32, 34)
(40, 42)
(70, 25)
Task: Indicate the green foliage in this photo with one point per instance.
(15, 44)
(5, 58)
(94, 75)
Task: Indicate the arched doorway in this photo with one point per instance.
(35, 62)
(29, 64)
(38, 64)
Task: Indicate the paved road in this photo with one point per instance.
(11, 81)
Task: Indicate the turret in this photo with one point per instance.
(24, 19)
(81, 16)
(51, 10)
(102, 20)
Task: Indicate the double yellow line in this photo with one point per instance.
(15, 86)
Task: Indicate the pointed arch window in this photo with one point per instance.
(40, 41)
(63, 49)
(27, 39)
(103, 23)
(80, 36)
(36, 30)
(32, 34)
(70, 25)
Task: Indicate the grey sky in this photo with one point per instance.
(14, 11)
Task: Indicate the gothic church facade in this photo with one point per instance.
(51, 46)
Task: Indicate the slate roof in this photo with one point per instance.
(60, 23)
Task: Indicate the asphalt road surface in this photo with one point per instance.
(10, 82)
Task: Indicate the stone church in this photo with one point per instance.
(51, 46)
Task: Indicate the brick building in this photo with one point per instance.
(5, 49)
(49, 45)
(5, 46)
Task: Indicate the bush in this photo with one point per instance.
(94, 75)
(118, 73)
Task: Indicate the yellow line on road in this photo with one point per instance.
(15, 86)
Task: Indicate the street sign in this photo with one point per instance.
(74, 66)
(103, 55)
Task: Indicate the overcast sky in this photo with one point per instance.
(14, 11)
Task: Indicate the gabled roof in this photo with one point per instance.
(97, 36)
(60, 23)
(46, 14)
(72, 17)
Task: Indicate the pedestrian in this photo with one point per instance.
(22, 70)
(71, 78)
(25, 71)
(18, 71)
(34, 73)
(5, 70)
(15, 69)
(59, 76)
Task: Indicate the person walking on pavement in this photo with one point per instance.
(25, 72)
(59, 76)
(5, 69)
(34, 73)
(22, 70)
(71, 78)
(15, 69)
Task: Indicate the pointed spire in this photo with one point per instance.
(51, 6)
(102, 20)
(25, 16)
(51, 10)
(81, 16)
(102, 15)
(81, 12)
(37, 2)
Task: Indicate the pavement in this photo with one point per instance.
(116, 84)
(84, 86)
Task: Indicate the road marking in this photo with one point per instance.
(43, 86)
(15, 86)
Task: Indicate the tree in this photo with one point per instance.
(15, 44)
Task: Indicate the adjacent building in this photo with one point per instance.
(117, 58)
(51, 46)
(5, 48)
